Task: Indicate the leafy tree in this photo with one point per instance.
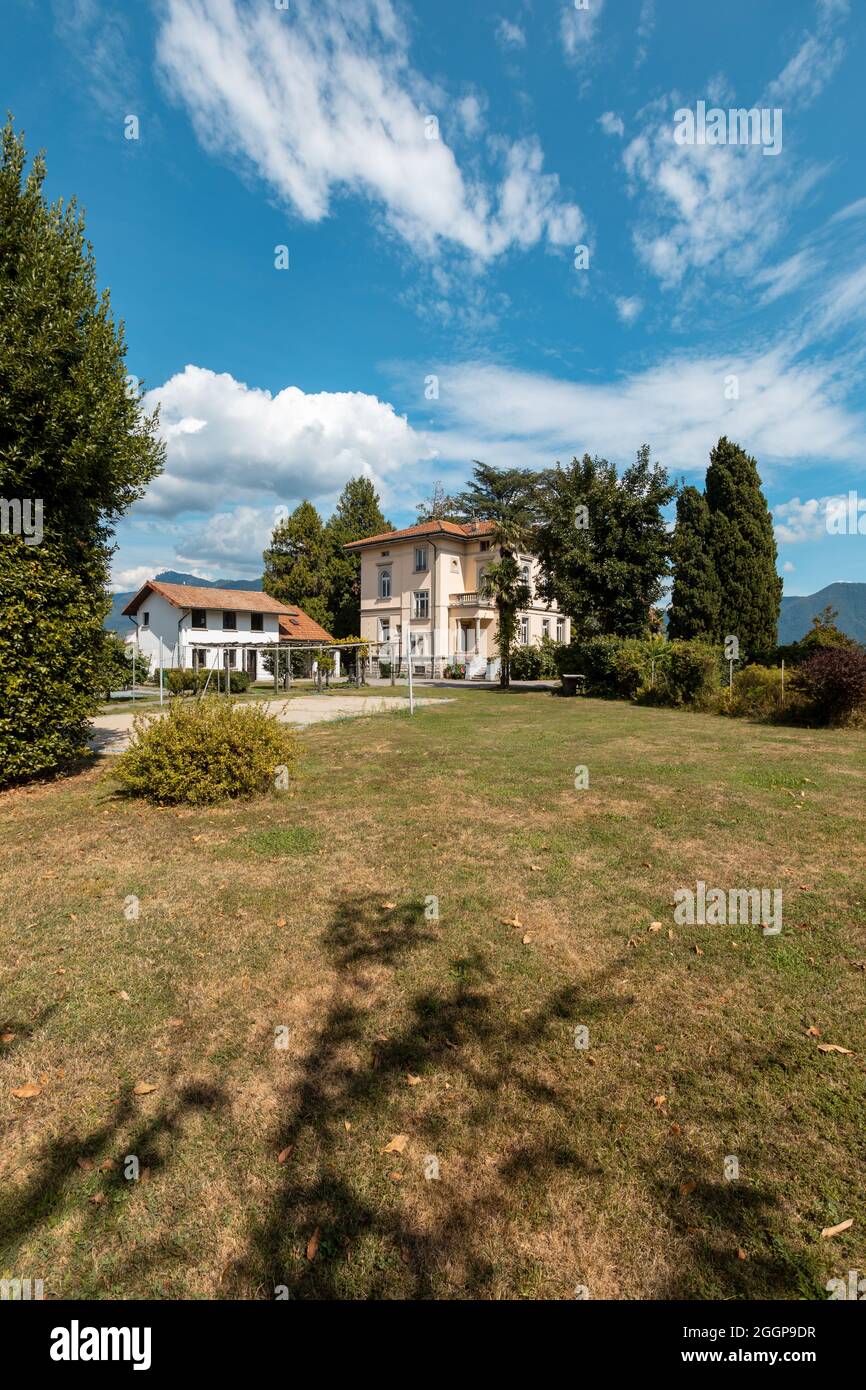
(115, 668)
(357, 515)
(602, 542)
(73, 435)
(743, 549)
(299, 564)
(503, 496)
(696, 597)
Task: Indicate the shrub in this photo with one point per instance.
(204, 752)
(756, 693)
(596, 659)
(691, 672)
(180, 682)
(834, 679)
(455, 671)
(537, 662)
(384, 668)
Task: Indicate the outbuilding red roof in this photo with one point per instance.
(464, 529)
(194, 596)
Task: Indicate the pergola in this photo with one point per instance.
(274, 648)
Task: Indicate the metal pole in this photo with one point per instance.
(160, 671)
(783, 680)
(411, 691)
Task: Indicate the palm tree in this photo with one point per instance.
(503, 496)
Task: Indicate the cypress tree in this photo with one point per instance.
(743, 549)
(696, 597)
(74, 443)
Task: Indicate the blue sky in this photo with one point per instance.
(431, 170)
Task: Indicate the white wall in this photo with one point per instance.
(163, 623)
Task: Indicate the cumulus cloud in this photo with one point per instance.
(322, 99)
(577, 27)
(227, 441)
(795, 521)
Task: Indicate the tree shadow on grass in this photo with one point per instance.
(365, 1244)
(77, 1158)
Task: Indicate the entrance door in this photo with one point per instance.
(252, 665)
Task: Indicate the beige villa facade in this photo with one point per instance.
(422, 592)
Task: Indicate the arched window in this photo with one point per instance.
(526, 576)
(384, 583)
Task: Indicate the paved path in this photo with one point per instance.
(111, 732)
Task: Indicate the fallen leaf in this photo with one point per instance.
(526, 939)
(396, 1177)
(655, 926)
(97, 1198)
(122, 994)
(687, 1188)
(387, 907)
(143, 1088)
(27, 1092)
(412, 1080)
(511, 921)
(284, 1153)
(741, 1254)
(106, 1165)
(175, 1022)
(670, 933)
(813, 1032)
(660, 1047)
(281, 922)
(837, 1230)
(631, 942)
(697, 950)
(397, 1144)
(659, 1101)
(675, 1129)
(42, 1078)
(834, 1047)
(313, 1243)
(7, 1037)
(85, 1164)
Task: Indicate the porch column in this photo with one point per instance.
(477, 636)
(337, 663)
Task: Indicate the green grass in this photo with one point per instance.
(308, 918)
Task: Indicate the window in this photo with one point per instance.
(416, 642)
(257, 622)
(421, 607)
(384, 629)
(199, 659)
(485, 545)
(560, 629)
(231, 658)
(420, 558)
(384, 552)
(145, 619)
(198, 617)
(385, 583)
(545, 627)
(230, 620)
(524, 632)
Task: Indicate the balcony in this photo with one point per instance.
(472, 600)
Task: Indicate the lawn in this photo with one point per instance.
(297, 1012)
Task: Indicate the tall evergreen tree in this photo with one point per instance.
(357, 515)
(602, 542)
(299, 564)
(695, 601)
(743, 549)
(73, 439)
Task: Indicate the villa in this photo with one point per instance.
(422, 592)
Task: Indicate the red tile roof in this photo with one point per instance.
(192, 596)
(466, 530)
(298, 626)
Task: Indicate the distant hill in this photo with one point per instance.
(849, 600)
(115, 622)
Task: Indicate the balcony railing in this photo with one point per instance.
(469, 600)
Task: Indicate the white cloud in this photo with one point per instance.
(577, 27)
(719, 209)
(230, 542)
(795, 521)
(788, 275)
(510, 35)
(645, 26)
(788, 567)
(229, 442)
(629, 309)
(122, 580)
(322, 99)
(787, 413)
(611, 123)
